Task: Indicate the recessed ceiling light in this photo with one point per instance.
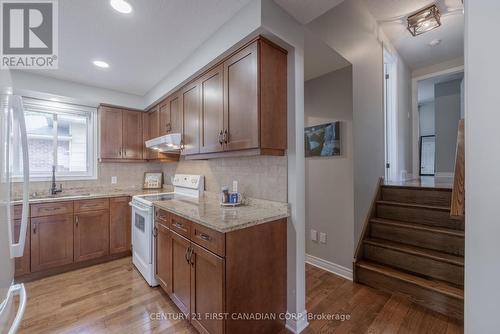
(121, 6)
(100, 63)
(435, 42)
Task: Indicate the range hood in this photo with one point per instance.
(166, 143)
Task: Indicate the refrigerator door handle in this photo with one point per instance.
(17, 249)
(18, 290)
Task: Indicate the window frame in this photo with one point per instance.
(58, 108)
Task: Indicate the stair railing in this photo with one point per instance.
(458, 194)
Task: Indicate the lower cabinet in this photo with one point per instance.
(51, 241)
(120, 216)
(22, 264)
(246, 277)
(207, 290)
(91, 235)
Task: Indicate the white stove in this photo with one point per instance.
(143, 255)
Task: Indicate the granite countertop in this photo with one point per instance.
(78, 194)
(207, 211)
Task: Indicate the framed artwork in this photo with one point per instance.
(322, 140)
(153, 180)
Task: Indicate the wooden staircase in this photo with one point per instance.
(411, 246)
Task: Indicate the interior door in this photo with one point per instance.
(111, 132)
(132, 135)
(191, 112)
(181, 273)
(241, 108)
(91, 235)
(207, 290)
(427, 155)
(212, 111)
(51, 241)
(120, 216)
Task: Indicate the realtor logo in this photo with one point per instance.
(29, 34)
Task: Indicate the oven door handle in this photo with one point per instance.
(137, 207)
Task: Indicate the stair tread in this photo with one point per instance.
(420, 227)
(434, 285)
(417, 188)
(419, 251)
(413, 205)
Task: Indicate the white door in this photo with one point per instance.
(427, 155)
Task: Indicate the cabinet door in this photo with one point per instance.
(110, 129)
(241, 100)
(207, 290)
(163, 241)
(22, 264)
(191, 112)
(165, 117)
(91, 235)
(212, 111)
(51, 241)
(132, 135)
(171, 115)
(120, 215)
(150, 129)
(181, 272)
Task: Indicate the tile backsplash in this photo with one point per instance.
(263, 177)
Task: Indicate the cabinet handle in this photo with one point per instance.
(204, 236)
(120, 153)
(155, 232)
(168, 127)
(180, 227)
(125, 152)
(34, 228)
(220, 137)
(76, 221)
(226, 136)
(191, 257)
(187, 255)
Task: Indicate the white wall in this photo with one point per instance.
(329, 180)
(482, 138)
(447, 114)
(34, 85)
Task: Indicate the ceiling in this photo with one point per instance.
(319, 58)
(416, 51)
(426, 87)
(305, 11)
(141, 47)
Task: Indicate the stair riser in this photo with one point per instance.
(417, 196)
(438, 302)
(426, 239)
(423, 216)
(419, 265)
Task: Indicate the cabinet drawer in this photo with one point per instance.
(50, 209)
(212, 240)
(162, 217)
(92, 204)
(180, 225)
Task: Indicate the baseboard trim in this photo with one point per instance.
(329, 266)
(296, 326)
(444, 174)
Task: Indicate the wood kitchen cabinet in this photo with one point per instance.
(91, 235)
(171, 115)
(120, 133)
(190, 95)
(212, 111)
(151, 129)
(120, 215)
(22, 264)
(51, 241)
(238, 272)
(180, 292)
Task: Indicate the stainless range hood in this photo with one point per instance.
(166, 143)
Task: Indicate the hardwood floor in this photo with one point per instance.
(113, 298)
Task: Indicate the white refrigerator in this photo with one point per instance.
(13, 143)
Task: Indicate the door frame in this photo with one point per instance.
(415, 115)
(390, 115)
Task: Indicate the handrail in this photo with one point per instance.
(458, 194)
(358, 253)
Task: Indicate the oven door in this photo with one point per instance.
(142, 226)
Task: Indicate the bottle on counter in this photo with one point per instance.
(224, 195)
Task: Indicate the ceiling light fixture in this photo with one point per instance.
(425, 20)
(100, 63)
(121, 6)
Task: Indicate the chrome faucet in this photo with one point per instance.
(53, 188)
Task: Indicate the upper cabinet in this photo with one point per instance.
(170, 115)
(191, 109)
(121, 135)
(212, 111)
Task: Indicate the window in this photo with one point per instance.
(60, 135)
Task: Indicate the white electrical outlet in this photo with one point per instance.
(314, 235)
(114, 179)
(322, 237)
